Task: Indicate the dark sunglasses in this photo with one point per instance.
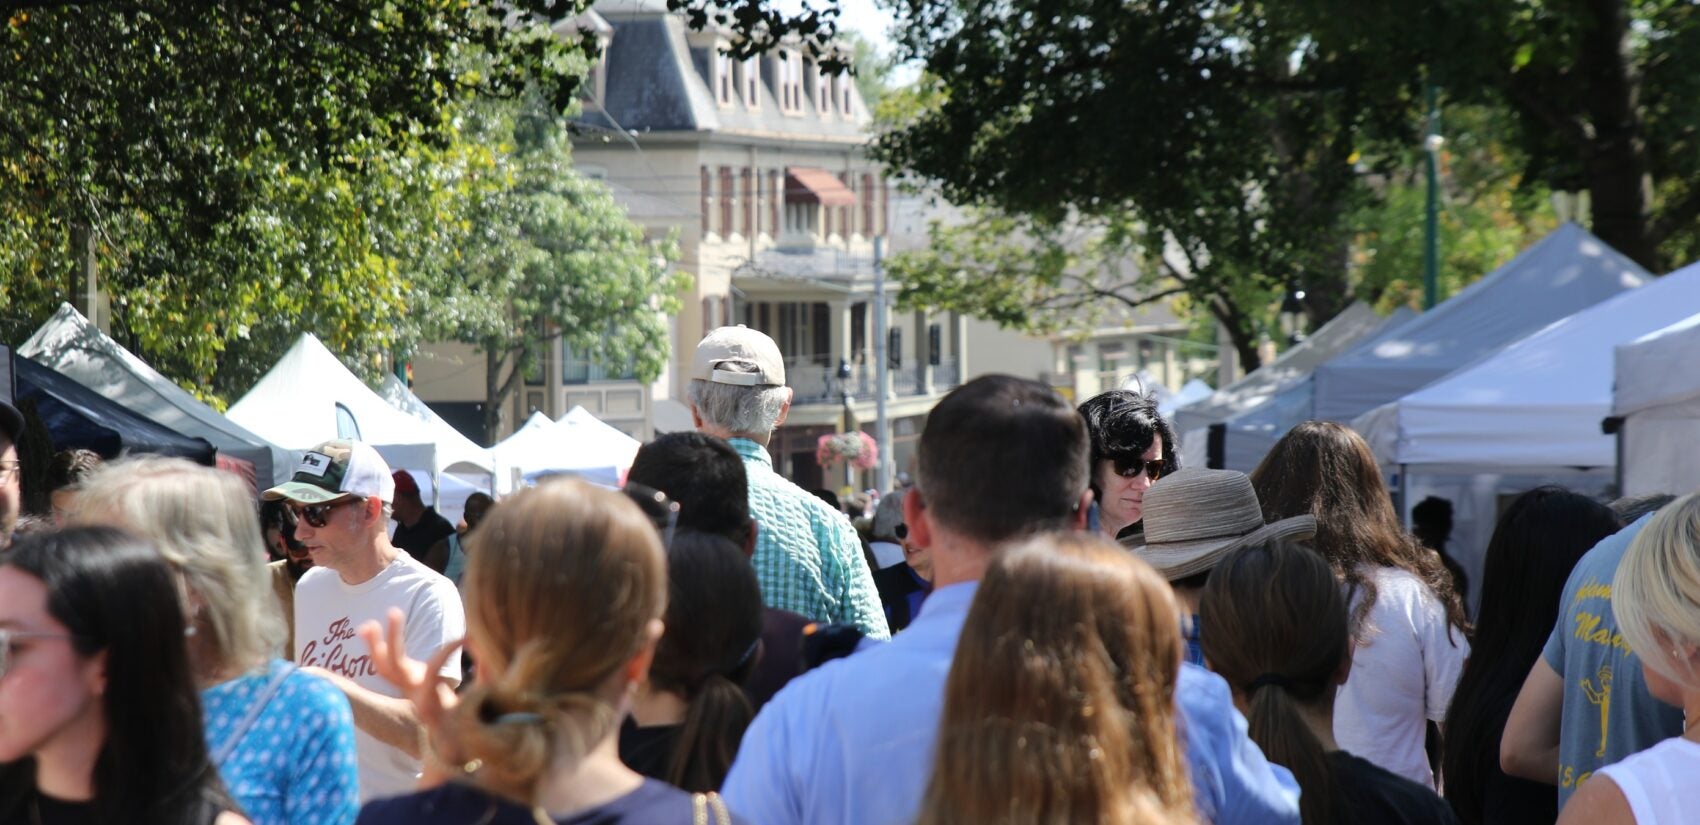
(1134, 467)
(318, 515)
(661, 511)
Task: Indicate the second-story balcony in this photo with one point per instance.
(831, 266)
(816, 383)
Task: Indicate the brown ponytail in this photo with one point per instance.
(562, 584)
(1275, 626)
(719, 713)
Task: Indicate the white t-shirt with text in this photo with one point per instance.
(1403, 672)
(327, 613)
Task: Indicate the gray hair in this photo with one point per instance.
(203, 522)
(1630, 509)
(738, 409)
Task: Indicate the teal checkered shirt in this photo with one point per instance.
(808, 559)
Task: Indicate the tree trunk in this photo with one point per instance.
(498, 390)
(1325, 291)
(1240, 331)
(1615, 164)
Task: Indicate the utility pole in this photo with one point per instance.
(1431, 223)
(882, 370)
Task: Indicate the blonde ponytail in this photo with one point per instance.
(564, 584)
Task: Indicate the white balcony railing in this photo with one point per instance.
(815, 382)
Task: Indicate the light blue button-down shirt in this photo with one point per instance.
(851, 743)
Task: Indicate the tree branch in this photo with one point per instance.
(1135, 303)
(1532, 101)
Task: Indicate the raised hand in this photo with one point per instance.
(418, 681)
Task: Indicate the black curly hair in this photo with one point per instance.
(1122, 424)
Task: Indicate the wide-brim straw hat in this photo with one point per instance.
(1195, 518)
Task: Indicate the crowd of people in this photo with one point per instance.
(1054, 623)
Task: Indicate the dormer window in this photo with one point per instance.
(752, 83)
(723, 80)
(790, 71)
(823, 90)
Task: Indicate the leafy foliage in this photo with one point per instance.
(873, 69)
(1215, 139)
(553, 256)
(1603, 97)
(251, 170)
(760, 26)
(1489, 214)
(1272, 145)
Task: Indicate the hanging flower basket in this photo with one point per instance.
(857, 447)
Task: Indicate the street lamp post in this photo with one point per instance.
(882, 371)
(1293, 316)
(849, 414)
(1431, 221)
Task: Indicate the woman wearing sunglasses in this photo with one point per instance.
(1132, 447)
(566, 585)
(99, 718)
(282, 739)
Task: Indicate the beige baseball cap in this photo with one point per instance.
(742, 346)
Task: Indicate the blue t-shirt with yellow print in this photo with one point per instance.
(1608, 713)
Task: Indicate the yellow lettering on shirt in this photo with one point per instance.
(1593, 590)
(1588, 629)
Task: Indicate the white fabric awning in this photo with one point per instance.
(1539, 402)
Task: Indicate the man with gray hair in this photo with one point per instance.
(807, 558)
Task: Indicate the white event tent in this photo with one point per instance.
(1192, 392)
(309, 397)
(1249, 436)
(1536, 405)
(1656, 404)
(457, 452)
(77, 349)
(1563, 273)
(1526, 415)
(453, 486)
(1192, 422)
(576, 444)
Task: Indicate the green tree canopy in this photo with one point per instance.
(552, 256)
(246, 171)
(1259, 141)
(1216, 138)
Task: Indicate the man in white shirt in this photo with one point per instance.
(341, 495)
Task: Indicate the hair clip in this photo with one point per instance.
(520, 718)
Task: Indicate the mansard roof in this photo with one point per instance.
(659, 80)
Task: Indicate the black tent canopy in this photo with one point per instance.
(78, 417)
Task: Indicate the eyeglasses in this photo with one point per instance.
(662, 511)
(9, 469)
(9, 637)
(1134, 467)
(318, 515)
